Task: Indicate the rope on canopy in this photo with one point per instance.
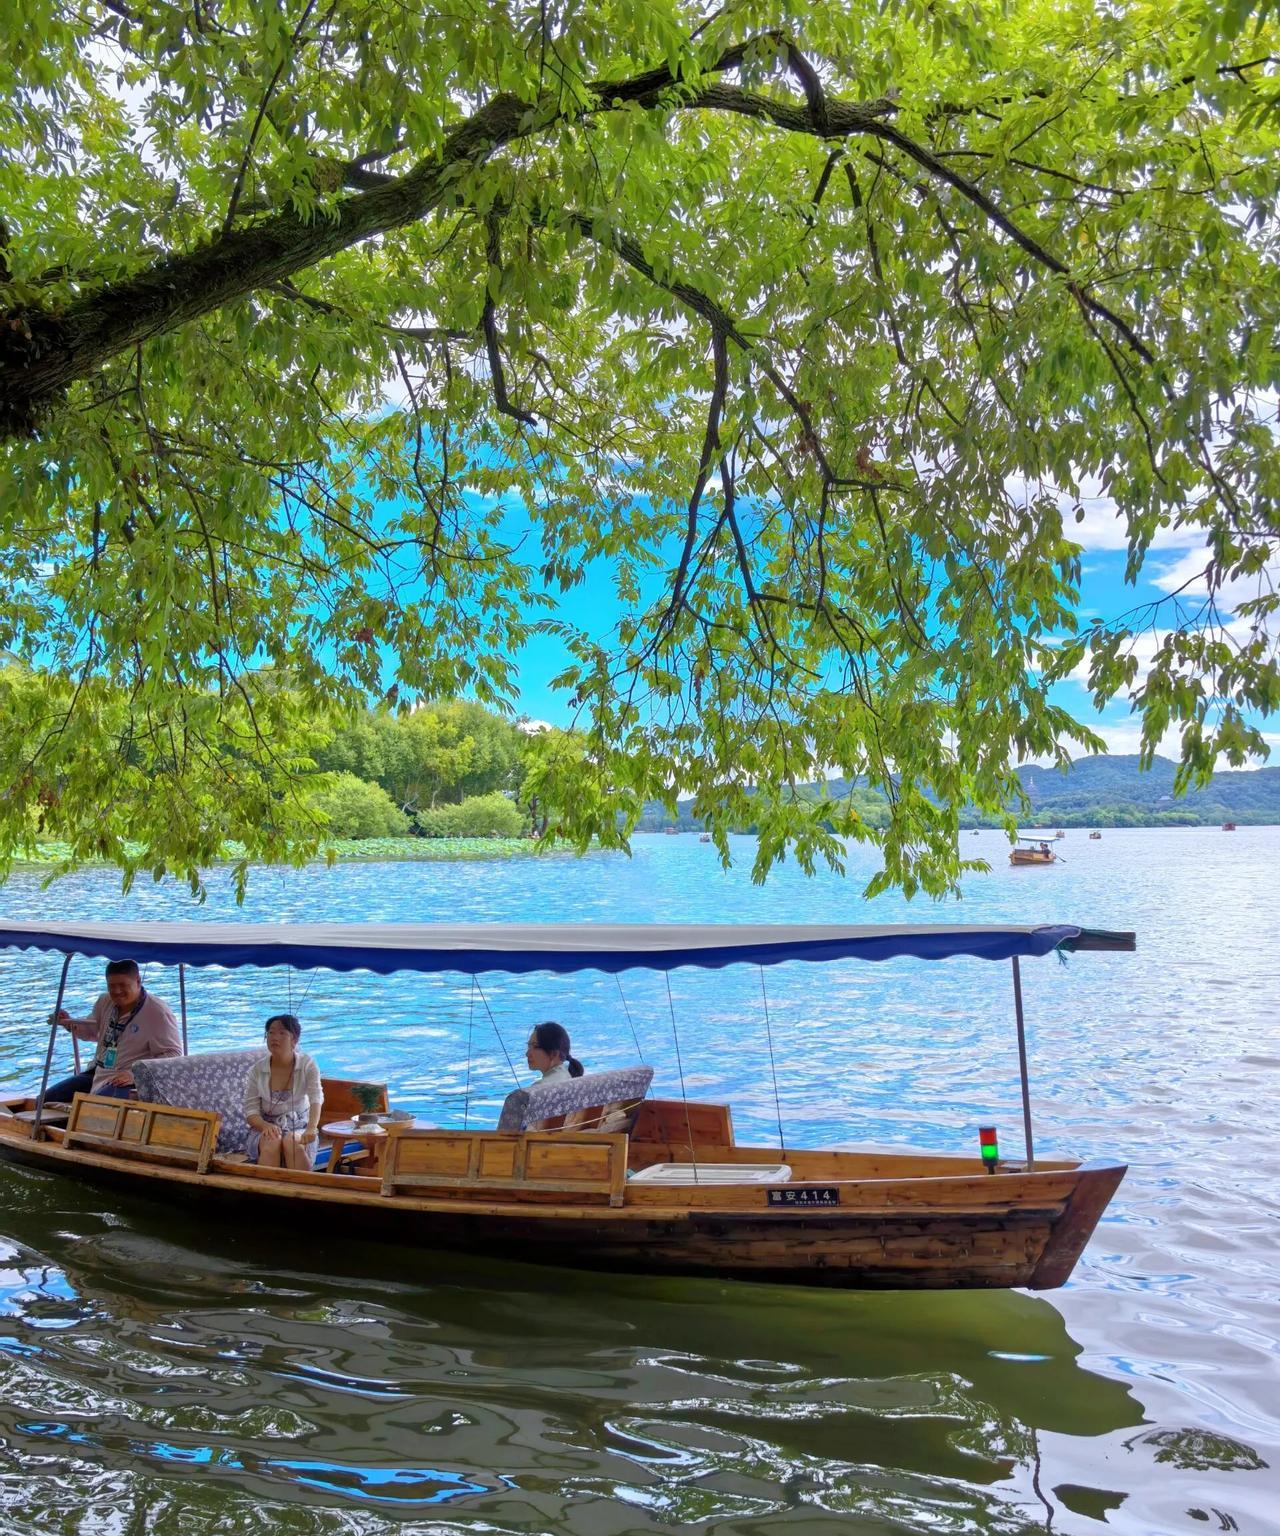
(684, 1096)
(630, 1020)
(773, 1066)
(515, 1076)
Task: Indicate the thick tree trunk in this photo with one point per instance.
(41, 353)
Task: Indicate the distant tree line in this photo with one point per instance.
(451, 769)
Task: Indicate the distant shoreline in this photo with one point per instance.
(366, 850)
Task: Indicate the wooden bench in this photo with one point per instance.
(672, 1122)
(155, 1133)
(578, 1165)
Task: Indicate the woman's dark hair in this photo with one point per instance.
(123, 968)
(287, 1021)
(553, 1037)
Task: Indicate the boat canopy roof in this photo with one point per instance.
(473, 948)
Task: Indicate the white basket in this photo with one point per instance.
(713, 1173)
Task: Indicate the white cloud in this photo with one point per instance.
(1102, 529)
(1147, 643)
(1187, 576)
(1124, 739)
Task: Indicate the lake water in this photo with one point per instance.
(159, 1376)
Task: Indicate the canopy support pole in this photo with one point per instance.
(53, 1040)
(1022, 1065)
(182, 1003)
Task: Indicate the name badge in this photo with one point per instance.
(109, 1057)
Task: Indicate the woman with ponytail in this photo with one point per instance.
(549, 1052)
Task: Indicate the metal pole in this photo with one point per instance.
(182, 1003)
(1022, 1065)
(53, 1037)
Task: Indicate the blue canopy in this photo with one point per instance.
(473, 948)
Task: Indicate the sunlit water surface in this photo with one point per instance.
(160, 1376)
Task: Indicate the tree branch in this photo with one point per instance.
(43, 352)
(489, 319)
(845, 118)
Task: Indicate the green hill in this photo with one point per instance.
(1093, 792)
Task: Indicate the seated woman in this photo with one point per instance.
(282, 1099)
(548, 1052)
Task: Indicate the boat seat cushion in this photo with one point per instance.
(211, 1080)
(565, 1096)
(713, 1173)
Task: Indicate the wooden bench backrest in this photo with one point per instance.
(156, 1133)
(340, 1102)
(575, 1164)
(672, 1122)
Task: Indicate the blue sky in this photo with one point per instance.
(1177, 558)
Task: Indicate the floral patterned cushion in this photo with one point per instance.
(592, 1091)
(212, 1080)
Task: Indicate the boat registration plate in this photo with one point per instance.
(812, 1194)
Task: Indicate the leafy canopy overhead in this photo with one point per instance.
(805, 322)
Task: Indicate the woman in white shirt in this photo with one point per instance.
(282, 1100)
(548, 1052)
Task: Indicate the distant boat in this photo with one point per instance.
(1228, 826)
(1032, 850)
(1059, 834)
(705, 838)
(1095, 837)
(672, 831)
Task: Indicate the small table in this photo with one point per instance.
(336, 1134)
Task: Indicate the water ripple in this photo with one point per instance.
(160, 1375)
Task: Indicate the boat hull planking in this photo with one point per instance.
(966, 1232)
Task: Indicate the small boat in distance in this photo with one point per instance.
(1228, 826)
(1095, 837)
(672, 831)
(1059, 834)
(705, 838)
(1032, 850)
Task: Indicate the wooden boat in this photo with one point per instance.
(1095, 837)
(1228, 826)
(673, 1193)
(1032, 850)
(1059, 834)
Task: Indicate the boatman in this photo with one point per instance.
(129, 1024)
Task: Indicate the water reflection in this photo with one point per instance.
(541, 1395)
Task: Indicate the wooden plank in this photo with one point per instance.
(817, 1166)
(297, 1176)
(1046, 1191)
(339, 1101)
(101, 1117)
(134, 1128)
(134, 1124)
(672, 1122)
(531, 1164)
(179, 1132)
(1096, 1183)
(112, 1144)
